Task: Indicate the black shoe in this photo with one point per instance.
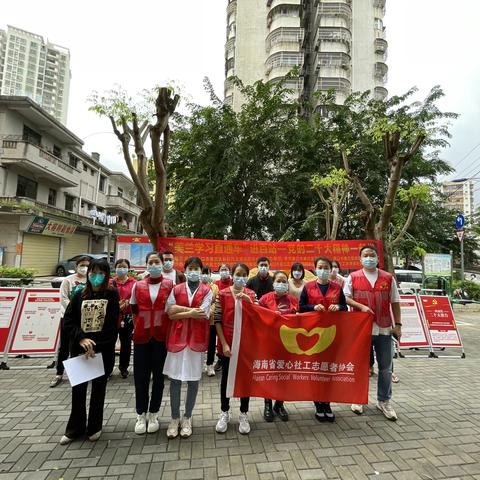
(320, 413)
(268, 414)
(51, 365)
(124, 373)
(329, 415)
(280, 410)
(218, 366)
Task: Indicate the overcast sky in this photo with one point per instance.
(143, 43)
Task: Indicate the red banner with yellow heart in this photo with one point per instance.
(318, 356)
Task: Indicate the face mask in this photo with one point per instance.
(297, 275)
(263, 271)
(369, 262)
(121, 271)
(239, 281)
(280, 287)
(193, 275)
(82, 270)
(154, 270)
(322, 273)
(168, 265)
(205, 278)
(96, 279)
(224, 274)
(334, 271)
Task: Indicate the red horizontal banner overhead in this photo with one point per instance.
(281, 254)
(311, 356)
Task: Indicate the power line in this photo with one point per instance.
(468, 154)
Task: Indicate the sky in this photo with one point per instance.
(145, 43)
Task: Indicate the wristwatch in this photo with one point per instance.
(397, 324)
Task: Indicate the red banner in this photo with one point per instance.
(440, 321)
(216, 252)
(310, 356)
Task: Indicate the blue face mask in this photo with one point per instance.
(193, 275)
(168, 265)
(205, 278)
(121, 272)
(280, 287)
(239, 281)
(96, 279)
(224, 274)
(370, 262)
(322, 273)
(154, 270)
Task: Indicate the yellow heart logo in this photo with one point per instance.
(292, 336)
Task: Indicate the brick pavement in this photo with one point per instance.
(437, 435)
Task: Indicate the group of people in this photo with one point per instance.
(174, 317)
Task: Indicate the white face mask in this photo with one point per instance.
(297, 275)
(82, 270)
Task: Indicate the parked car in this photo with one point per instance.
(409, 281)
(67, 267)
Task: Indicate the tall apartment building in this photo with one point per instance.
(460, 196)
(33, 67)
(56, 201)
(336, 45)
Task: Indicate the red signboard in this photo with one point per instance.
(310, 356)
(216, 252)
(414, 333)
(440, 321)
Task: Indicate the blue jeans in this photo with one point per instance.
(384, 353)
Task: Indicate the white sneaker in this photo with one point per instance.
(210, 371)
(356, 408)
(387, 410)
(244, 424)
(222, 423)
(153, 424)
(141, 425)
(65, 440)
(186, 427)
(172, 429)
(95, 436)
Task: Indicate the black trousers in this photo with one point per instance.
(148, 362)
(78, 424)
(63, 349)
(225, 402)
(212, 343)
(125, 336)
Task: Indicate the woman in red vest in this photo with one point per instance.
(282, 302)
(323, 295)
(188, 308)
(225, 278)
(224, 322)
(124, 285)
(148, 300)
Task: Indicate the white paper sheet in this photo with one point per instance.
(82, 369)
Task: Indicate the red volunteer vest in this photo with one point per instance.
(377, 298)
(269, 300)
(124, 292)
(151, 320)
(227, 301)
(189, 332)
(221, 284)
(315, 295)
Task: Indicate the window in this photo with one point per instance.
(92, 172)
(120, 192)
(31, 136)
(26, 188)
(52, 197)
(85, 167)
(72, 160)
(103, 181)
(69, 202)
(57, 151)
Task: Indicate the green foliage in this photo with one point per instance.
(25, 274)
(471, 288)
(336, 177)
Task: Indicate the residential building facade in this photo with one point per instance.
(56, 201)
(460, 196)
(33, 67)
(339, 45)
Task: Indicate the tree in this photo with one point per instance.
(131, 121)
(332, 190)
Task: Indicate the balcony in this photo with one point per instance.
(381, 46)
(334, 34)
(34, 159)
(381, 71)
(334, 83)
(341, 10)
(380, 93)
(232, 7)
(122, 204)
(285, 39)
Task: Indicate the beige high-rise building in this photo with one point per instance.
(336, 45)
(33, 67)
(460, 196)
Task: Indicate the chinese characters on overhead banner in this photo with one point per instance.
(310, 356)
(215, 252)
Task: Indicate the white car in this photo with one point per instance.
(409, 281)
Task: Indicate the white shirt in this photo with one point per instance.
(171, 275)
(372, 278)
(186, 365)
(153, 288)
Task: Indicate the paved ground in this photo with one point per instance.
(437, 435)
